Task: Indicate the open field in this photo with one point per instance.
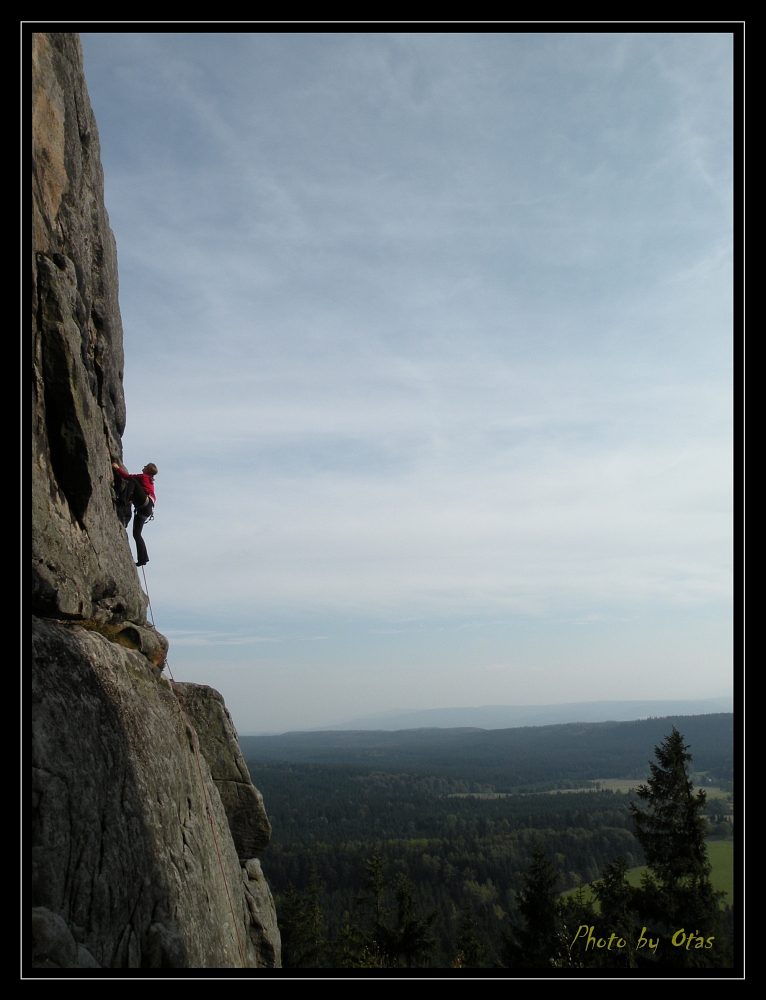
(721, 856)
(481, 795)
(504, 795)
(622, 785)
(630, 784)
(714, 793)
(619, 784)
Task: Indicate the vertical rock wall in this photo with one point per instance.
(82, 564)
(141, 857)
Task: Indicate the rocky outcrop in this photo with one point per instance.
(145, 639)
(142, 858)
(263, 929)
(219, 744)
(132, 846)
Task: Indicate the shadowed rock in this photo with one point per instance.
(53, 946)
(122, 848)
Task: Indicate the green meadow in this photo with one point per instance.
(721, 856)
(630, 784)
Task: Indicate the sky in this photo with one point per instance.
(430, 336)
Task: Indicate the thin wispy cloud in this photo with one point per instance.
(426, 326)
(181, 637)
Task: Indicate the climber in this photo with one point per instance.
(137, 489)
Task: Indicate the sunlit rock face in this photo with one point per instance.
(141, 857)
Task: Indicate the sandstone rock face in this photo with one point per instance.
(82, 563)
(219, 744)
(141, 858)
(126, 863)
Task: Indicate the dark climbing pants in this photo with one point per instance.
(140, 518)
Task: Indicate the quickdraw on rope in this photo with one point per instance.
(195, 744)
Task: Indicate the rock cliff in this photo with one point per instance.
(146, 826)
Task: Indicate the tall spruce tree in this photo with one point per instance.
(352, 948)
(541, 942)
(676, 895)
(672, 830)
(376, 934)
(395, 935)
(616, 898)
(410, 940)
(469, 951)
(577, 910)
(301, 924)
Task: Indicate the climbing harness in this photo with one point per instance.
(195, 744)
(139, 509)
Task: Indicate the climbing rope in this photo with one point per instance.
(195, 744)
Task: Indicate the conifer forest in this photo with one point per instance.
(382, 868)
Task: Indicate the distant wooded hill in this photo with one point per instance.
(511, 716)
(518, 759)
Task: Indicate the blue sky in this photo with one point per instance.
(430, 337)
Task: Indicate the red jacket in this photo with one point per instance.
(145, 482)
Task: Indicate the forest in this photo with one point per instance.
(366, 862)
(527, 758)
